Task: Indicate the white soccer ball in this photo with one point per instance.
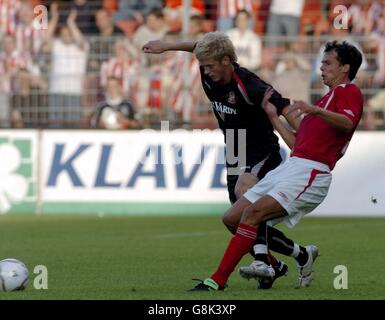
(14, 275)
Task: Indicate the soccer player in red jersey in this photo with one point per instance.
(299, 185)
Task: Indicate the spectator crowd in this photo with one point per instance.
(78, 64)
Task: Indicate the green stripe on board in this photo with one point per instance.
(135, 208)
(26, 207)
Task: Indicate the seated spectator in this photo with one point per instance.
(115, 112)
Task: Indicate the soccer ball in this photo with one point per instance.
(14, 275)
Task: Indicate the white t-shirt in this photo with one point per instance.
(68, 68)
(287, 7)
(248, 48)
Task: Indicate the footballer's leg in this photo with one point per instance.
(253, 214)
(305, 256)
(244, 182)
(269, 266)
(278, 242)
(266, 268)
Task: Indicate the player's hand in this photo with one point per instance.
(156, 46)
(269, 108)
(301, 107)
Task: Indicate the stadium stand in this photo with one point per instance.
(164, 87)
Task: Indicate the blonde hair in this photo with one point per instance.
(215, 45)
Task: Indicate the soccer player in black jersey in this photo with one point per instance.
(236, 95)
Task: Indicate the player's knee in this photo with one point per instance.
(230, 222)
(252, 215)
(239, 190)
(231, 228)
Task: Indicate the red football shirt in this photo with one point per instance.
(319, 141)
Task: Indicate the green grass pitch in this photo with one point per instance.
(156, 257)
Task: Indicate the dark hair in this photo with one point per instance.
(197, 17)
(158, 13)
(243, 11)
(346, 54)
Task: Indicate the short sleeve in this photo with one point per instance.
(129, 110)
(257, 90)
(349, 102)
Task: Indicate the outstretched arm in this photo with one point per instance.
(159, 46)
(271, 111)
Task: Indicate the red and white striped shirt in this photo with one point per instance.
(177, 99)
(123, 70)
(8, 15)
(29, 38)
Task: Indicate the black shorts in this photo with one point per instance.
(258, 169)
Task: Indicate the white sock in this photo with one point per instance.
(296, 251)
(260, 249)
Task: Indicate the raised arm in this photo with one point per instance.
(271, 111)
(75, 31)
(160, 46)
(52, 22)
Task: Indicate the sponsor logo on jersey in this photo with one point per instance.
(349, 112)
(283, 196)
(221, 108)
(231, 98)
